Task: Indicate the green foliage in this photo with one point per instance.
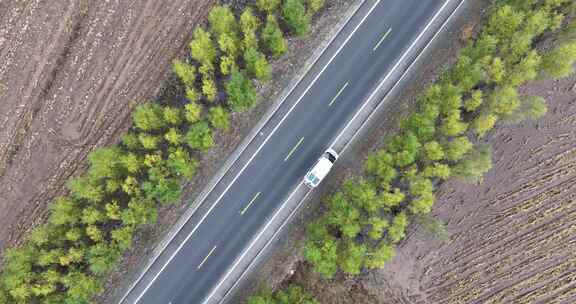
(504, 100)
(149, 117)
(202, 47)
(475, 164)
(377, 257)
(314, 5)
(457, 148)
(294, 14)
(559, 62)
(321, 250)
(397, 229)
(248, 22)
(209, 88)
(219, 118)
(172, 116)
(256, 64)
(241, 92)
(273, 38)
(484, 123)
(199, 136)
(222, 20)
(351, 258)
(433, 150)
(102, 258)
(181, 164)
(380, 165)
(475, 101)
(186, 72)
(148, 142)
(291, 295)
(192, 112)
(173, 137)
(268, 6)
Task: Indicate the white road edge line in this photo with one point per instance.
(255, 153)
(236, 154)
(343, 130)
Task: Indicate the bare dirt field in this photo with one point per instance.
(71, 72)
(511, 238)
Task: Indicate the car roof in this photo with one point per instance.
(322, 168)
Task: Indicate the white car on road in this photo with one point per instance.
(321, 168)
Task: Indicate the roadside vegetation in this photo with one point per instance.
(65, 260)
(290, 295)
(361, 224)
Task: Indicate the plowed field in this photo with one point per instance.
(71, 71)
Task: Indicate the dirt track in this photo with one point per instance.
(70, 73)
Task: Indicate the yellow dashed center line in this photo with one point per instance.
(382, 39)
(338, 94)
(206, 258)
(250, 203)
(294, 149)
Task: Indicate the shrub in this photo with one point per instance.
(256, 64)
(273, 38)
(248, 22)
(314, 5)
(148, 117)
(199, 136)
(186, 72)
(484, 123)
(202, 48)
(222, 20)
(295, 16)
(209, 88)
(192, 112)
(268, 6)
(241, 92)
(559, 62)
(475, 164)
(172, 116)
(219, 118)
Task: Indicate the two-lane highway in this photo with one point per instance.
(290, 148)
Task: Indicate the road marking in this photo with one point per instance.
(250, 203)
(294, 149)
(139, 297)
(239, 259)
(382, 39)
(338, 94)
(206, 258)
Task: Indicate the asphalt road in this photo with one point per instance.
(293, 146)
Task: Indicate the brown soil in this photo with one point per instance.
(71, 72)
(511, 237)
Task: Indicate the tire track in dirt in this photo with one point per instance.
(71, 73)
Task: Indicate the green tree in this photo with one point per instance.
(457, 148)
(380, 165)
(131, 142)
(241, 92)
(559, 62)
(149, 142)
(172, 116)
(453, 125)
(102, 258)
(81, 288)
(495, 71)
(422, 204)
(484, 123)
(131, 162)
(434, 150)
(439, 170)
(504, 100)
(219, 118)
(209, 88)
(391, 199)
(192, 94)
(294, 14)
(122, 237)
(222, 20)
(64, 211)
(256, 64)
(180, 162)
(321, 250)
(273, 38)
(248, 22)
(84, 187)
(314, 5)
(377, 257)
(268, 6)
(475, 164)
(199, 136)
(173, 136)
(186, 72)
(397, 229)
(351, 257)
(202, 47)
(475, 101)
(192, 112)
(148, 117)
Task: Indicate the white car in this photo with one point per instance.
(321, 168)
